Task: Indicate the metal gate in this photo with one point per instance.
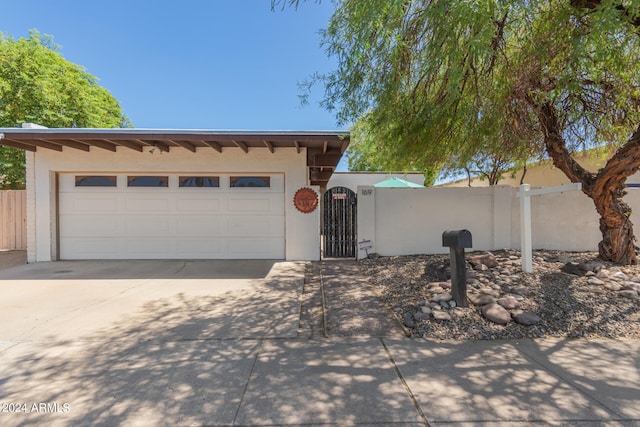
(339, 223)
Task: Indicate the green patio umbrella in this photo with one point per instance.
(397, 182)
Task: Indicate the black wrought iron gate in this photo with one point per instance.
(339, 223)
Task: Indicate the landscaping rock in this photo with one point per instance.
(631, 286)
(481, 300)
(628, 293)
(571, 268)
(441, 315)
(441, 298)
(601, 300)
(496, 313)
(487, 260)
(527, 318)
(509, 303)
(408, 320)
(595, 281)
(590, 266)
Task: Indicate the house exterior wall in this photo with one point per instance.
(409, 221)
(302, 240)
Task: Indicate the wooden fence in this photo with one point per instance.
(13, 219)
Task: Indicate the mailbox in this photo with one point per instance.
(457, 239)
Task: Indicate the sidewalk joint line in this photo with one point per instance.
(246, 385)
(404, 383)
(324, 304)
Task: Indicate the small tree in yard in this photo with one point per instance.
(444, 79)
(38, 85)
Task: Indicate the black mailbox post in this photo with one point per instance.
(456, 241)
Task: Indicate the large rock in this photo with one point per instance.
(408, 320)
(509, 302)
(441, 315)
(441, 298)
(633, 286)
(628, 293)
(486, 259)
(481, 299)
(592, 266)
(496, 313)
(527, 318)
(571, 268)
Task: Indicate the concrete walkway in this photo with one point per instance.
(210, 344)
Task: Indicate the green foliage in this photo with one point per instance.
(452, 83)
(11, 168)
(38, 85)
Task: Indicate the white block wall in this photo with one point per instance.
(407, 221)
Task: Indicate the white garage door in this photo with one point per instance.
(171, 216)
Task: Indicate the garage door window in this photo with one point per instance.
(147, 181)
(199, 181)
(250, 181)
(95, 181)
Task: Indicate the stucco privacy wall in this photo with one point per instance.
(302, 240)
(407, 221)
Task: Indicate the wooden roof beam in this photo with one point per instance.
(76, 144)
(184, 144)
(214, 145)
(105, 145)
(134, 145)
(160, 146)
(241, 145)
(269, 146)
(18, 145)
(47, 144)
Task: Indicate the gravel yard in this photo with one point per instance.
(567, 295)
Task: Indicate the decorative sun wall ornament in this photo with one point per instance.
(305, 200)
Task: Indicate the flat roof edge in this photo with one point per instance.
(159, 131)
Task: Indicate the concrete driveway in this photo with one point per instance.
(150, 300)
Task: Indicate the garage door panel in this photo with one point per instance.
(201, 248)
(198, 205)
(172, 222)
(145, 203)
(149, 248)
(83, 203)
(199, 225)
(91, 248)
(96, 225)
(247, 226)
(154, 225)
(250, 205)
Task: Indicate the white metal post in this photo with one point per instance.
(525, 218)
(525, 229)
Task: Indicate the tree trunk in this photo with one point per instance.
(618, 240)
(606, 188)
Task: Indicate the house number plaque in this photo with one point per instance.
(305, 200)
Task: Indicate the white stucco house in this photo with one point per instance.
(174, 194)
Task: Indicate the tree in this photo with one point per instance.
(38, 85)
(365, 154)
(444, 78)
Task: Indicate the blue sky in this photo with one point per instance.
(191, 64)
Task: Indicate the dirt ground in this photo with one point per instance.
(12, 258)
